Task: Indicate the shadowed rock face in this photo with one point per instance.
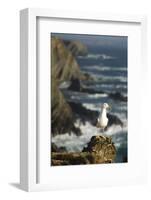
(64, 67)
(61, 113)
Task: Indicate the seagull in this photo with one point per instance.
(102, 120)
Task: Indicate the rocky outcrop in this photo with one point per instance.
(99, 150)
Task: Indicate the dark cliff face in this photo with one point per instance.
(64, 67)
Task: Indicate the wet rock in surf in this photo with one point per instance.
(99, 150)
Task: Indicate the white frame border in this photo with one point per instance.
(28, 82)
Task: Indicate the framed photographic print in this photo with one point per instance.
(82, 79)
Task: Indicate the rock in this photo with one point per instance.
(87, 76)
(83, 113)
(75, 85)
(76, 48)
(61, 113)
(63, 68)
(54, 148)
(63, 63)
(103, 147)
(118, 96)
(99, 150)
(113, 120)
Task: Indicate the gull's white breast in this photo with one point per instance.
(102, 120)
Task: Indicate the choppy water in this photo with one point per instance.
(108, 68)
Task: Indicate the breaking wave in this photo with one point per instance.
(97, 56)
(75, 143)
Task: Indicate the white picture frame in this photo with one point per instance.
(29, 148)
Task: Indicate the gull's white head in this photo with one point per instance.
(105, 106)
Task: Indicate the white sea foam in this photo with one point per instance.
(81, 96)
(110, 86)
(75, 143)
(98, 76)
(104, 68)
(96, 95)
(64, 84)
(90, 106)
(97, 56)
(109, 78)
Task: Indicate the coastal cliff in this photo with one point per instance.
(64, 67)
